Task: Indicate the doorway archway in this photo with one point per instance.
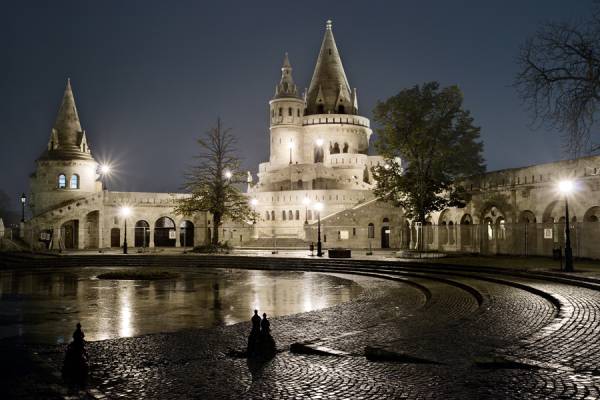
(164, 232)
(142, 234)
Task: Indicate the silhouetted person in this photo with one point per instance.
(256, 322)
(78, 336)
(75, 366)
(265, 325)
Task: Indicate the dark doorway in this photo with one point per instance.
(385, 237)
(115, 237)
(164, 232)
(186, 234)
(70, 234)
(142, 234)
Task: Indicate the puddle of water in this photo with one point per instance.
(43, 306)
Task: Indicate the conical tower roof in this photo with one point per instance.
(67, 140)
(286, 86)
(329, 79)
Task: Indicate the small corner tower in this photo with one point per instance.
(286, 110)
(66, 170)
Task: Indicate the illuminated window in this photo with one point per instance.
(62, 181)
(74, 182)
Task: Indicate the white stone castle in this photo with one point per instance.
(318, 156)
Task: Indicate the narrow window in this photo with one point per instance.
(280, 111)
(297, 214)
(273, 215)
(283, 215)
(290, 215)
(371, 231)
(290, 112)
(298, 112)
(62, 181)
(74, 181)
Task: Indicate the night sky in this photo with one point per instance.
(150, 76)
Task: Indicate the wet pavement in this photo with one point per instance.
(44, 306)
(473, 335)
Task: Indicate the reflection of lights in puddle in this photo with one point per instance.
(125, 328)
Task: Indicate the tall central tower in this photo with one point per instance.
(318, 149)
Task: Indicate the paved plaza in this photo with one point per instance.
(456, 334)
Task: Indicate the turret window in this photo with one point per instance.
(280, 111)
(74, 182)
(298, 112)
(290, 112)
(62, 181)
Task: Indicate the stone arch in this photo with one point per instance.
(527, 217)
(443, 227)
(92, 230)
(69, 234)
(162, 232)
(186, 233)
(371, 230)
(551, 212)
(115, 237)
(466, 230)
(141, 234)
(592, 214)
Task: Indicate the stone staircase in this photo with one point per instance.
(279, 243)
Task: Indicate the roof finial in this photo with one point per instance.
(328, 24)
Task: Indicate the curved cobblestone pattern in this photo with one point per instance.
(548, 329)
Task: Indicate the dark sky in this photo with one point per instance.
(150, 76)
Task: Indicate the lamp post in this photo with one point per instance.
(23, 201)
(228, 174)
(306, 202)
(319, 207)
(104, 172)
(566, 188)
(125, 212)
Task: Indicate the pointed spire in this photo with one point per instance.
(329, 77)
(67, 139)
(355, 101)
(286, 86)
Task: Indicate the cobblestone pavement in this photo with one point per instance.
(475, 336)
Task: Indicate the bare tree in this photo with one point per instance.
(559, 79)
(212, 181)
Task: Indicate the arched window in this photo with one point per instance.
(297, 214)
(280, 111)
(290, 111)
(283, 215)
(268, 214)
(371, 231)
(320, 109)
(74, 182)
(336, 148)
(345, 150)
(273, 215)
(62, 181)
(290, 215)
(298, 112)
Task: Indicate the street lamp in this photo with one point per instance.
(105, 170)
(306, 202)
(125, 212)
(319, 207)
(23, 201)
(566, 187)
(228, 174)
